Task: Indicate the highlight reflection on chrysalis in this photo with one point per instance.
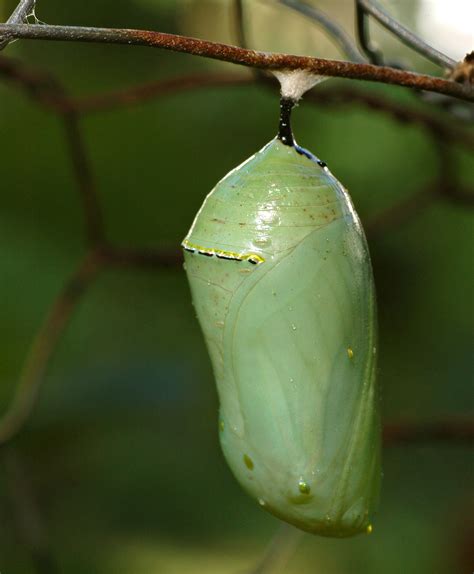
(282, 284)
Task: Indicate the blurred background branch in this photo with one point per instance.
(372, 8)
(336, 32)
(19, 15)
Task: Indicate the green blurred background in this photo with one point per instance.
(122, 454)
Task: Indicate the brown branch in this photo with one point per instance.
(236, 55)
(45, 344)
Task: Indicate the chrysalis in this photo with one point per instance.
(282, 285)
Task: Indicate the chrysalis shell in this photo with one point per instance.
(282, 285)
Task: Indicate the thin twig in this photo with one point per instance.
(336, 32)
(406, 36)
(236, 55)
(44, 345)
(374, 55)
(18, 16)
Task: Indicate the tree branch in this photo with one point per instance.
(19, 15)
(336, 32)
(406, 36)
(236, 55)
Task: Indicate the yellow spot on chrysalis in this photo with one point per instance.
(248, 462)
(304, 487)
(350, 353)
(221, 425)
(251, 257)
(369, 529)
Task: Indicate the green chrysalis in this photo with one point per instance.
(282, 285)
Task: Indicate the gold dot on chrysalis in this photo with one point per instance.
(350, 353)
(369, 529)
(304, 487)
(221, 425)
(248, 462)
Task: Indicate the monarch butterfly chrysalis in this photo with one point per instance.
(282, 285)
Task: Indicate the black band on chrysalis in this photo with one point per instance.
(285, 135)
